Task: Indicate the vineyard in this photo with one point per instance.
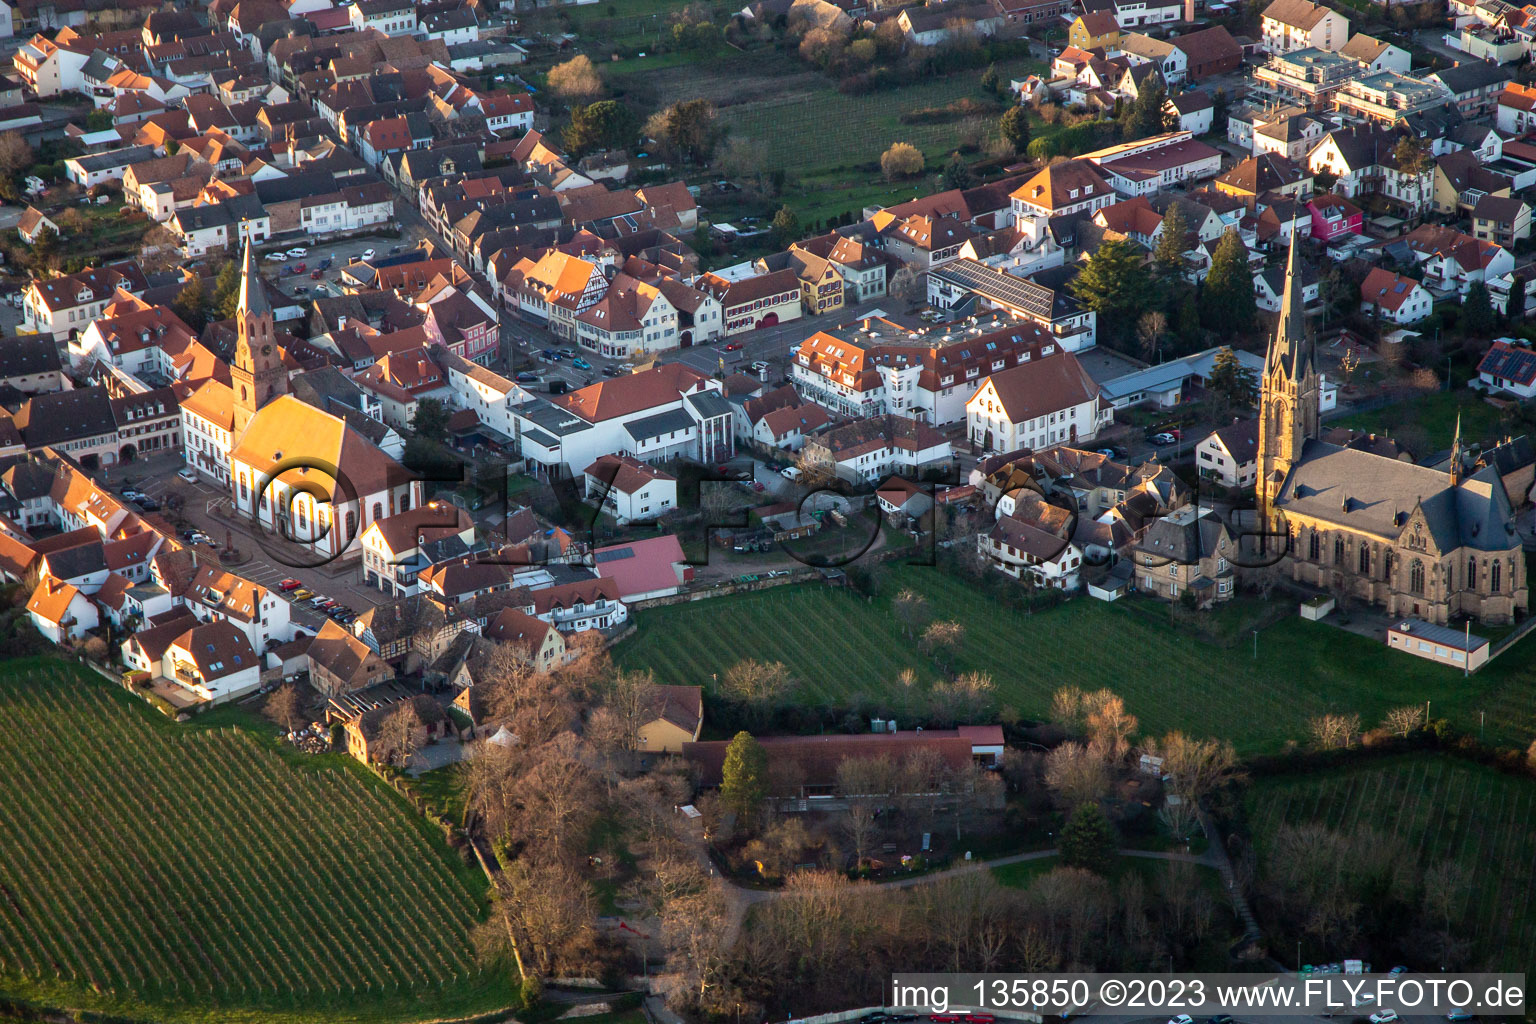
(195, 874)
(1435, 808)
(839, 646)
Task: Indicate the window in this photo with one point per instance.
(1493, 577)
(1365, 560)
(1313, 544)
(1338, 551)
(1471, 573)
(1416, 577)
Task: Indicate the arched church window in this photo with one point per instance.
(1416, 577)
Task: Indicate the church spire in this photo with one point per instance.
(1290, 349)
(1456, 454)
(253, 293)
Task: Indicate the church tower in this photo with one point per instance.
(258, 374)
(1288, 394)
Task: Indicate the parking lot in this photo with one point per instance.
(299, 284)
(257, 558)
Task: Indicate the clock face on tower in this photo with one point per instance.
(266, 350)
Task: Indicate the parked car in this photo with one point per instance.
(289, 584)
(612, 371)
(1221, 1018)
(733, 346)
(276, 257)
(299, 268)
(303, 595)
(1162, 439)
(314, 275)
(149, 504)
(1108, 453)
(567, 351)
(760, 365)
(527, 378)
(790, 472)
(188, 474)
(1399, 969)
(368, 254)
(1457, 1015)
(1182, 1018)
(581, 364)
(325, 264)
(298, 250)
(1384, 1017)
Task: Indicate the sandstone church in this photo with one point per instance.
(1428, 543)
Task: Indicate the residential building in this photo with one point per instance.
(1036, 404)
(1189, 550)
(1229, 455)
(869, 450)
(1509, 366)
(1289, 25)
(630, 490)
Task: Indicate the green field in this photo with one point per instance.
(838, 646)
(1435, 808)
(1435, 415)
(196, 873)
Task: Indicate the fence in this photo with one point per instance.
(721, 589)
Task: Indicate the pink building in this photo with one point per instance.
(1333, 216)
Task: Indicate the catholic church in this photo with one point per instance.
(302, 473)
(1421, 542)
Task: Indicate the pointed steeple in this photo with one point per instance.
(1456, 453)
(253, 293)
(1291, 349)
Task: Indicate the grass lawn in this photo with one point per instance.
(1435, 414)
(1433, 808)
(197, 872)
(442, 789)
(839, 646)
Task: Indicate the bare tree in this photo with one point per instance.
(911, 610)
(942, 640)
(1197, 767)
(1076, 774)
(1446, 886)
(1404, 720)
(1330, 731)
(966, 699)
(558, 796)
(1067, 709)
(760, 685)
(541, 912)
(1178, 815)
(284, 707)
(576, 80)
(396, 735)
(1109, 725)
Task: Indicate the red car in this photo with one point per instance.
(299, 269)
(734, 346)
(289, 584)
(316, 274)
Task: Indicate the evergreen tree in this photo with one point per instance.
(744, 776)
(1087, 841)
(1235, 386)
(226, 290)
(430, 419)
(1187, 322)
(786, 227)
(956, 173)
(1014, 125)
(1145, 115)
(1114, 283)
(990, 80)
(1220, 104)
(1168, 256)
(192, 304)
(606, 124)
(1227, 305)
(45, 247)
(1477, 316)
